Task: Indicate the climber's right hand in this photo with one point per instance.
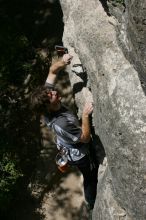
(67, 58)
(88, 109)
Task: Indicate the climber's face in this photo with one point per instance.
(53, 96)
(54, 99)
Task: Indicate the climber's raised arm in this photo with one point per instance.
(57, 66)
(85, 135)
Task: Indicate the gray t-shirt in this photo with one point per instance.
(68, 131)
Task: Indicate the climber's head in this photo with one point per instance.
(44, 100)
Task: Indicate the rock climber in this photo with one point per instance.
(71, 136)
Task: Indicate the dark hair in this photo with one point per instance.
(39, 99)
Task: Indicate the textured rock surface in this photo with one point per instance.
(133, 36)
(119, 112)
(106, 206)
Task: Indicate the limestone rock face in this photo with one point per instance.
(133, 35)
(119, 106)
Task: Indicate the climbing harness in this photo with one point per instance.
(61, 160)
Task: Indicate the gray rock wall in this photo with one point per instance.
(119, 108)
(133, 36)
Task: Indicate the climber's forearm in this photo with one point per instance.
(85, 136)
(54, 69)
(87, 110)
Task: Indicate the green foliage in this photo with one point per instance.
(16, 62)
(9, 173)
(13, 60)
(9, 176)
(18, 145)
(24, 39)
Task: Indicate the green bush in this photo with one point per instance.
(18, 145)
(25, 33)
(9, 177)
